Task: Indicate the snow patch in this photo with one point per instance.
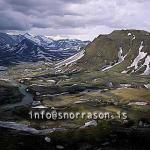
(32, 38)
(120, 57)
(51, 81)
(147, 86)
(40, 107)
(138, 103)
(47, 139)
(90, 123)
(147, 64)
(35, 103)
(133, 37)
(125, 71)
(140, 56)
(129, 34)
(125, 85)
(71, 59)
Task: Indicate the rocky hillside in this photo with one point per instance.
(125, 51)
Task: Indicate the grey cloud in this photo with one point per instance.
(31, 13)
(13, 21)
(72, 16)
(50, 7)
(40, 14)
(34, 7)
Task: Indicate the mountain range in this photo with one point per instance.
(123, 51)
(27, 48)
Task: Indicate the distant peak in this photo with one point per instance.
(27, 34)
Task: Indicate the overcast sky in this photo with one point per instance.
(82, 19)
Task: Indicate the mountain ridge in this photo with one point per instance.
(124, 51)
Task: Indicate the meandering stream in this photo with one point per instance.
(26, 100)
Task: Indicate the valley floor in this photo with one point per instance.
(40, 88)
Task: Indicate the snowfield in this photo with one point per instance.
(137, 60)
(135, 63)
(71, 59)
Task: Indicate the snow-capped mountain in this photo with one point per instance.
(44, 41)
(28, 48)
(6, 40)
(48, 43)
